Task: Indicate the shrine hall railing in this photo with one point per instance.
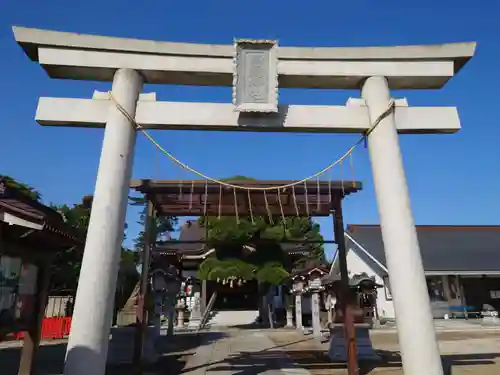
(208, 310)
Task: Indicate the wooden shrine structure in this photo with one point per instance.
(31, 235)
(205, 198)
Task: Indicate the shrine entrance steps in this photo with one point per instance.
(233, 318)
(235, 351)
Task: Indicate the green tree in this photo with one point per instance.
(251, 248)
(162, 225)
(30, 191)
(67, 264)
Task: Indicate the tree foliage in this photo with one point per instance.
(250, 249)
(162, 225)
(30, 191)
(66, 265)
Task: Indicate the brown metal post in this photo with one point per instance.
(32, 336)
(204, 282)
(142, 312)
(203, 296)
(345, 302)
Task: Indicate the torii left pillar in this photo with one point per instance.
(88, 341)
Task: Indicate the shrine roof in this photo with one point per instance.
(445, 249)
(192, 239)
(20, 212)
(200, 198)
(309, 268)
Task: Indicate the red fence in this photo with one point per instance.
(52, 328)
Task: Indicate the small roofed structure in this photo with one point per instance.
(309, 269)
(201, 197)
(362, 296)
(191, 247)
(31, 234)
(355, 281)
(239, 198)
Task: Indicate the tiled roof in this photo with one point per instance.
(190, 231)
(444, 249)
(16, 203)
(193, 231)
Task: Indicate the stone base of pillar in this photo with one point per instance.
(194, 323)
(289, 319)
(316, 322)
(121, 346)
(337, 350)
(195, 316)
(180, 318)
(298, 313)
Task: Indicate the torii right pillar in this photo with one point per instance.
(415, 325)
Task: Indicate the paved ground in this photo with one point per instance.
(50, 358)
(472, 352)
(278, 352)
(242, 352)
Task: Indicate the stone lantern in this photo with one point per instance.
(362, 289)
(298, 286)
(315, 287)
(166, 286)
(194, 295)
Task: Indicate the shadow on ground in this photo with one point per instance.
(450, 361)
(316, 361)
(174, 353)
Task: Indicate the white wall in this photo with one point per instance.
(355, 265)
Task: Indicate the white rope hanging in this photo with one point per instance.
(227, 184)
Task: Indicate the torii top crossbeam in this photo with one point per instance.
(92, 57)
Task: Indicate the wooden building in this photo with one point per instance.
(192, 249)
(206, 198)
(31, 234)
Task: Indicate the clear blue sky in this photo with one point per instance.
(453, 179)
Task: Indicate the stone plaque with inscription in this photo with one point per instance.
(255, 83)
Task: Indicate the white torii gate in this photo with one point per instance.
(129, 63)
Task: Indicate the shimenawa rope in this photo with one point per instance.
(227, 184)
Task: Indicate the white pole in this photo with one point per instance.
(298, 312)
(416, 332)
(157, 318)
(170, 314)
(88, 340)
(315, 314)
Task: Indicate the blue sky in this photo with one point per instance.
(453, 179)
